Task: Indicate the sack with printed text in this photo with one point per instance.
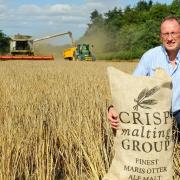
(143, 143)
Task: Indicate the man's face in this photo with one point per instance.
(170, 35)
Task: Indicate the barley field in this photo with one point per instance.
(54, 122)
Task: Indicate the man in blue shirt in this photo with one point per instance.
(166, 56)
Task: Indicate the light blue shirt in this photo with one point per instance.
(158, 57)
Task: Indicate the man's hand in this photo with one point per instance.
(113, 117)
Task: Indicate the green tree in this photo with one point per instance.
(114, 19)
(150, 35)
(130, 16)
(159, 11)
(96, 23)
(143, 6)
(175, 8)
(4, 43)
(96, 18)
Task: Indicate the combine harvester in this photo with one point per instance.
(22, 47)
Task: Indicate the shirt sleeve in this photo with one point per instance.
(142, 68)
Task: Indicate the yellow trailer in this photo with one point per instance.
(69, 53)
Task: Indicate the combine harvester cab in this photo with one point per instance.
(21, 45)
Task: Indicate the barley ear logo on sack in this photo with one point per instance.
(144, 99)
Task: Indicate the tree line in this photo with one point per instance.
(128, 33)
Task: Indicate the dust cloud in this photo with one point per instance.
(97, 42)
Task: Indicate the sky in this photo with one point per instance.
(40, 18)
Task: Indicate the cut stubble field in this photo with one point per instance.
(53, 117)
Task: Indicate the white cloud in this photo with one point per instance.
(101, 5)
(2, 9)
(33, 19)
(62, 13)
(82, 26)
(74, 19)
(104, 5)
(30, 10)
(58, 8)
(104, 1)
(50, 23)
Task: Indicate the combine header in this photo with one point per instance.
(26, 57)
(22, 47)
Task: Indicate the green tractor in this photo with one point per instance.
(83, 53)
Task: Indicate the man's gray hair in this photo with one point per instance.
(170, 18)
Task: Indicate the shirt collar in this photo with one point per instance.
(177, 57)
